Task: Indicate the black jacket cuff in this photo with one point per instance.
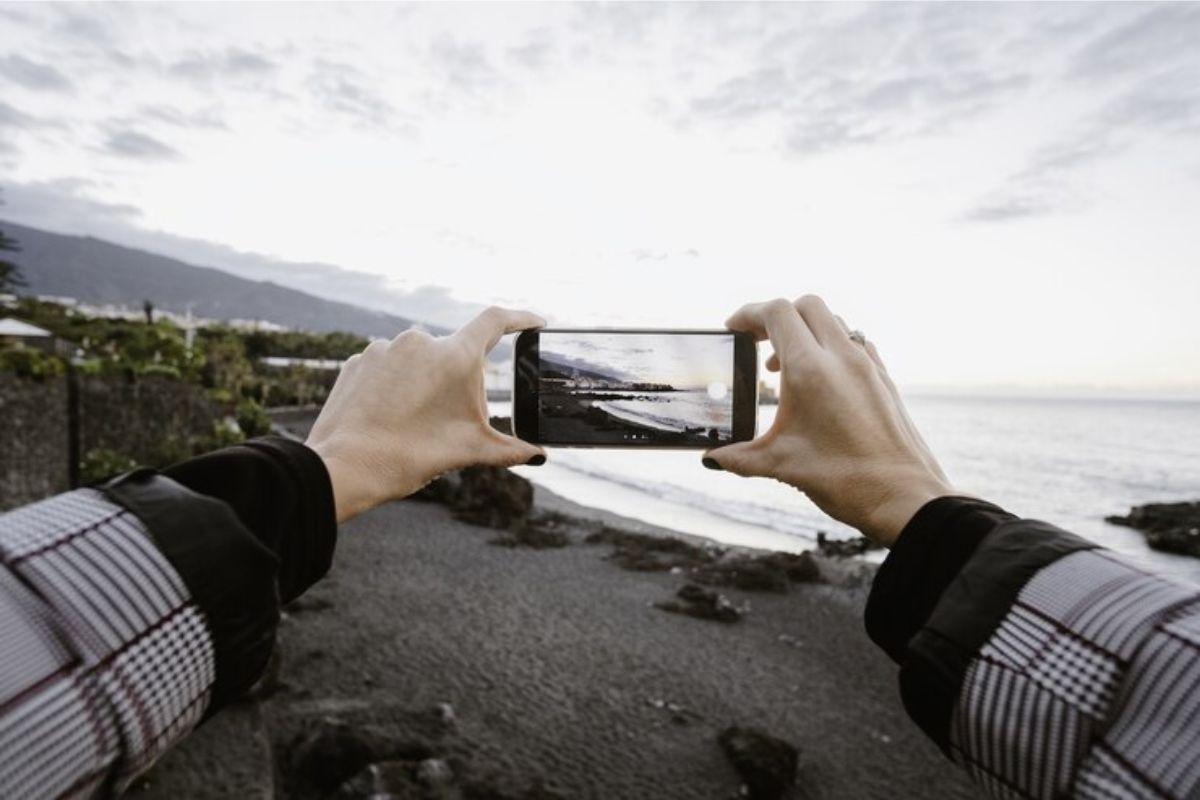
(281, 492)
(930, 551)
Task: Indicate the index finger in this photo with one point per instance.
(777, 320)
(482, 333)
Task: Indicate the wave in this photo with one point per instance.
(788, 522)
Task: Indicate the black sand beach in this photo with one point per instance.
(513, 672)
(575, 417)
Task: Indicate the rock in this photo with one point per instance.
(844, 548)
(1170, 527)
(493, 497)
(445, 714)
(642, 553)
(765, 763)
(435, 774)
(393, 780)
(766, 573)
(696, 601)
(545, 530)
(331, 751)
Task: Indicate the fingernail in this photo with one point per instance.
(537, 460)
(711, 463)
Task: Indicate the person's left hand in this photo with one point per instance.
(404, 411)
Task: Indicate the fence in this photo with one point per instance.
(47, 427)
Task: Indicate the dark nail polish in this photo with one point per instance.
(536, 461)
(711, 463)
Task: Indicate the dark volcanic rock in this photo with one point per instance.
(642, 553)
(696, 601)
(844, 547)
(490, 496)
(766, 573)
(395, 780)
(331, 751)
(1170, 527)
(547, 529)
(766, 764)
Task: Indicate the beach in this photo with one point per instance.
(543, 673)
(593, 417)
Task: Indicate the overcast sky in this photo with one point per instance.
(686, 362)
(997, 194)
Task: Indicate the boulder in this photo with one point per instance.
(330, 752)
(844, 548)
(643, 553)
(696, 601)
(541, 531)
(766, 764)
(493, 497)
(1170, 527)
(771, 572)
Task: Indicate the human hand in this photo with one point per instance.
(404, 411)
(841, 434)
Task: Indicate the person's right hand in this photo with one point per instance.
(404, 411)
(841, 434)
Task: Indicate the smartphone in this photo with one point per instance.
(575, 387)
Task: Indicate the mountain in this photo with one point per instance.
(95, 271)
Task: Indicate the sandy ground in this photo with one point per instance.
(563, 675)
(556, 663)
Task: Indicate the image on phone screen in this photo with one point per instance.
(635, 388)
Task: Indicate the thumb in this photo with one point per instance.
(748, 459)
(509, 451)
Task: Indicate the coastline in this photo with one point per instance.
(575, 417)
(555, 673)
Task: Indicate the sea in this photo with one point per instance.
(1069, 462)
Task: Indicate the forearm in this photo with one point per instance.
(131, 611)
(1029, 654)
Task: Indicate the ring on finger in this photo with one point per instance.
(857, 336)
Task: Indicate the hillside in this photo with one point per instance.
(96, 271)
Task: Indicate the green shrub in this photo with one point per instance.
(30, 363)
(102, 463)
(159, 371)
(252, 419)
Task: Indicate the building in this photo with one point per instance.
(19, 332)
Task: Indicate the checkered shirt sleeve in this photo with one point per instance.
(1089, 688)
(106, 660)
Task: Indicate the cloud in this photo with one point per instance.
(1156, 35)
(70, 206)
(230, 63)
(63, 205)
(884, 74)
(536, 53)
(133, 144)
(465, 65)
(1147, 72)
(343, 89)
(11, 117)
(33, 75)
(205, 119)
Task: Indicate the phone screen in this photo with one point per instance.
(635, 388)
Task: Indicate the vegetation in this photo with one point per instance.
(10, 273)
(226, 363)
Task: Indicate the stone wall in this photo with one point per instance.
(33, 439)
(149, 420)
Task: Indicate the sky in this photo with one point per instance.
(686, 362)
(999, 195)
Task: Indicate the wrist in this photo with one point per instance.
(898, 504)
(351, 487)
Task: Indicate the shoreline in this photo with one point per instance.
(567, 417)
